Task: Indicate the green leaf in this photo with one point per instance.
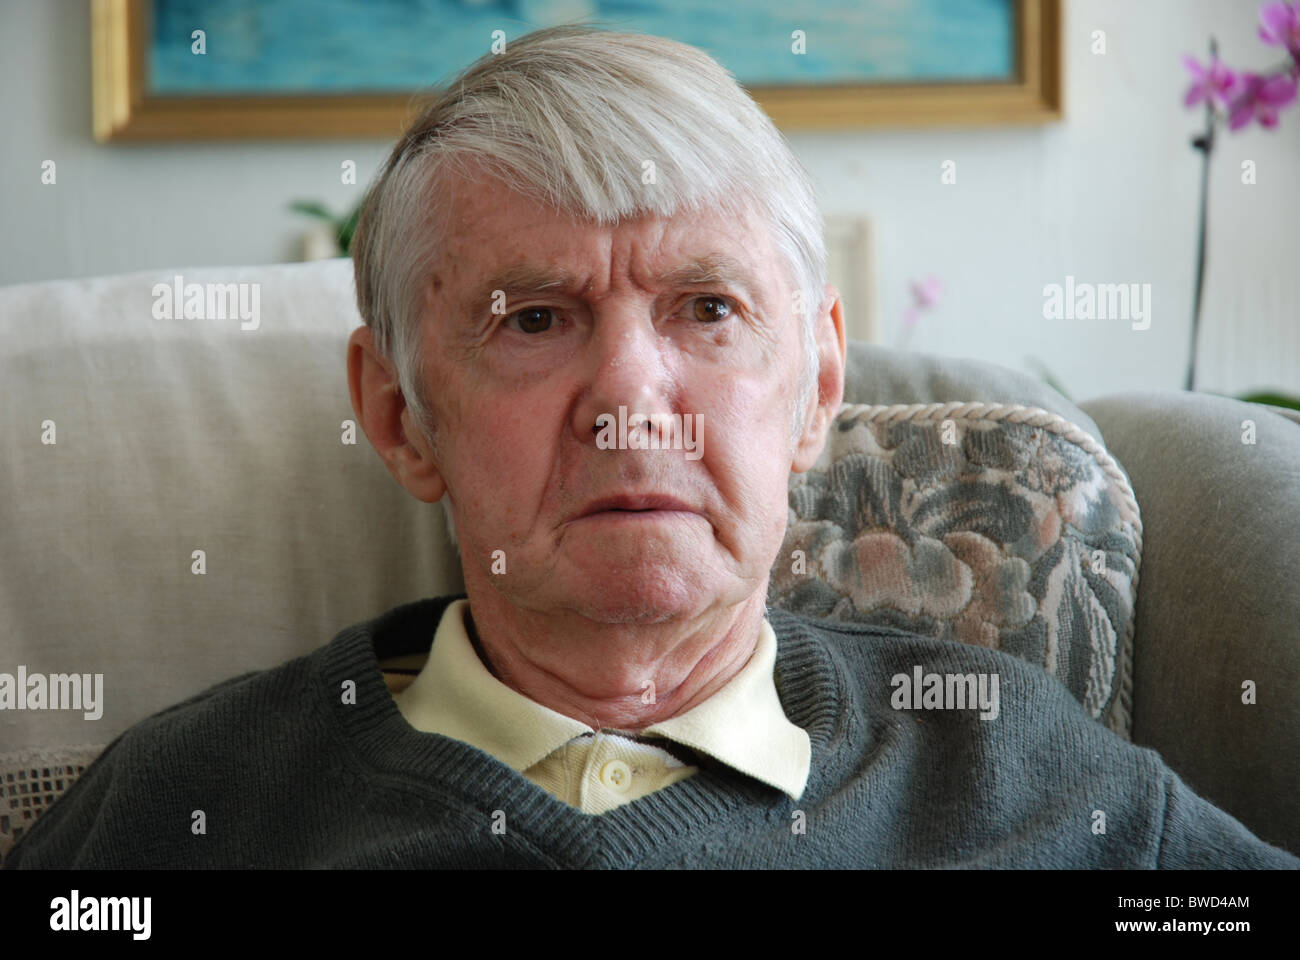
(312, 208)
(347, 229)
(1272, 399)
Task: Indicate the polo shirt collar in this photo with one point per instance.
(742, 725)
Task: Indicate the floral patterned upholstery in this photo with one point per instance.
(1004, 526)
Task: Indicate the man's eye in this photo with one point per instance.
(534, 319)
(711, 309)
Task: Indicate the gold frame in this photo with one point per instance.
(123, 111)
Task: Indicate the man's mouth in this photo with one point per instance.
(626, 504)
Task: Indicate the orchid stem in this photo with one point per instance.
(1204, 143)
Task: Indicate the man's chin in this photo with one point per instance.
(646, 593)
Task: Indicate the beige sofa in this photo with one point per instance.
(184, 500)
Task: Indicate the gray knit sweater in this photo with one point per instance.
(288, 774)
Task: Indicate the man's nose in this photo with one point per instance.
(627, 364)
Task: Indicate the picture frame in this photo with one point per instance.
(126, 109)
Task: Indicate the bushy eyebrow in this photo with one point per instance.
(713, 268)
(522, 280)
(518, 281)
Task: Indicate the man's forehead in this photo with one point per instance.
(512, 242)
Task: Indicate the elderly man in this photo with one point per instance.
(598, 330)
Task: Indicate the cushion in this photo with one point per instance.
(994, 524)
(877, 374)
(178, 434)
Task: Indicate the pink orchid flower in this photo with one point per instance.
(1219, 83)
(1280, 27)
(924, 296)
(1259, 99)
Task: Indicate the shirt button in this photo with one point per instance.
(616, 775)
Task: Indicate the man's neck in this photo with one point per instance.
(615, 676)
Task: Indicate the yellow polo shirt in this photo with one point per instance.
(742, 726)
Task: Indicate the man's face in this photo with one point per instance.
(597, 318)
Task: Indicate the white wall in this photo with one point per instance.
(1108, 196)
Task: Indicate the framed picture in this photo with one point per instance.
(192, 69)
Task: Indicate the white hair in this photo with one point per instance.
(574, 116)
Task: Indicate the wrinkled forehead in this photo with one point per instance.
(501, 240)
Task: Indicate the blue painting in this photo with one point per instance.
(292, 47)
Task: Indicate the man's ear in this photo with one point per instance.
(381, 410)
(831, 347)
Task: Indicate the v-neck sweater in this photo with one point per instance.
(311, 764)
